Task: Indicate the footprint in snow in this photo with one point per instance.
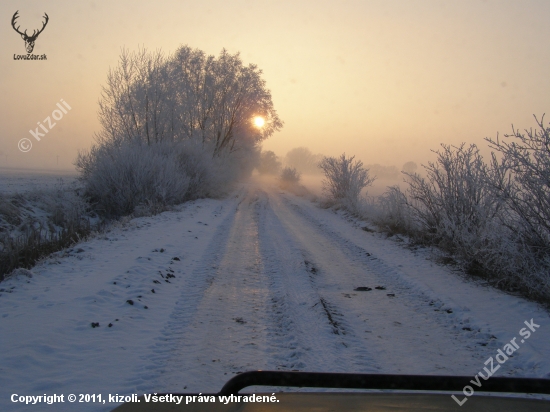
(362, 289)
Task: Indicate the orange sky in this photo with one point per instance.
(384, 80)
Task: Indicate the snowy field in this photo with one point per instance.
(24, 180)
(183, 301)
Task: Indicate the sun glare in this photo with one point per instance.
(259, 121)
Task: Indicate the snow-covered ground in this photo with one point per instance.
(34, 202)
(260, 280)
(24, 180)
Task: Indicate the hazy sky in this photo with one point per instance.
(385, 80)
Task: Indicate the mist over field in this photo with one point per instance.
(387, 81)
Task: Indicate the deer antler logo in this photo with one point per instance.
(29, 40)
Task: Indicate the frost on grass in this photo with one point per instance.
(35, 223)
(494, 217)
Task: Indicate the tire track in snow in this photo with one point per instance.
(317, 337)
(406, 337)
(249, 303)
(158, 372)
(275, 290)
(221, 325)
(468, 334)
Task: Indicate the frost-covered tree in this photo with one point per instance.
(150, 98)
(175, 128)
(409, 167)
(132, 107)
(302, 159)
(269, 163)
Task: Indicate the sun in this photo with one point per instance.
(259, 121)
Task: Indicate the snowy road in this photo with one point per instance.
(262, 280)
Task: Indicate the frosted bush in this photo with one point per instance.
(454, 200)
(344, 179)
(393, 211)
(290, 176)
(525, 184)
(119, 178)
(473, 210)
